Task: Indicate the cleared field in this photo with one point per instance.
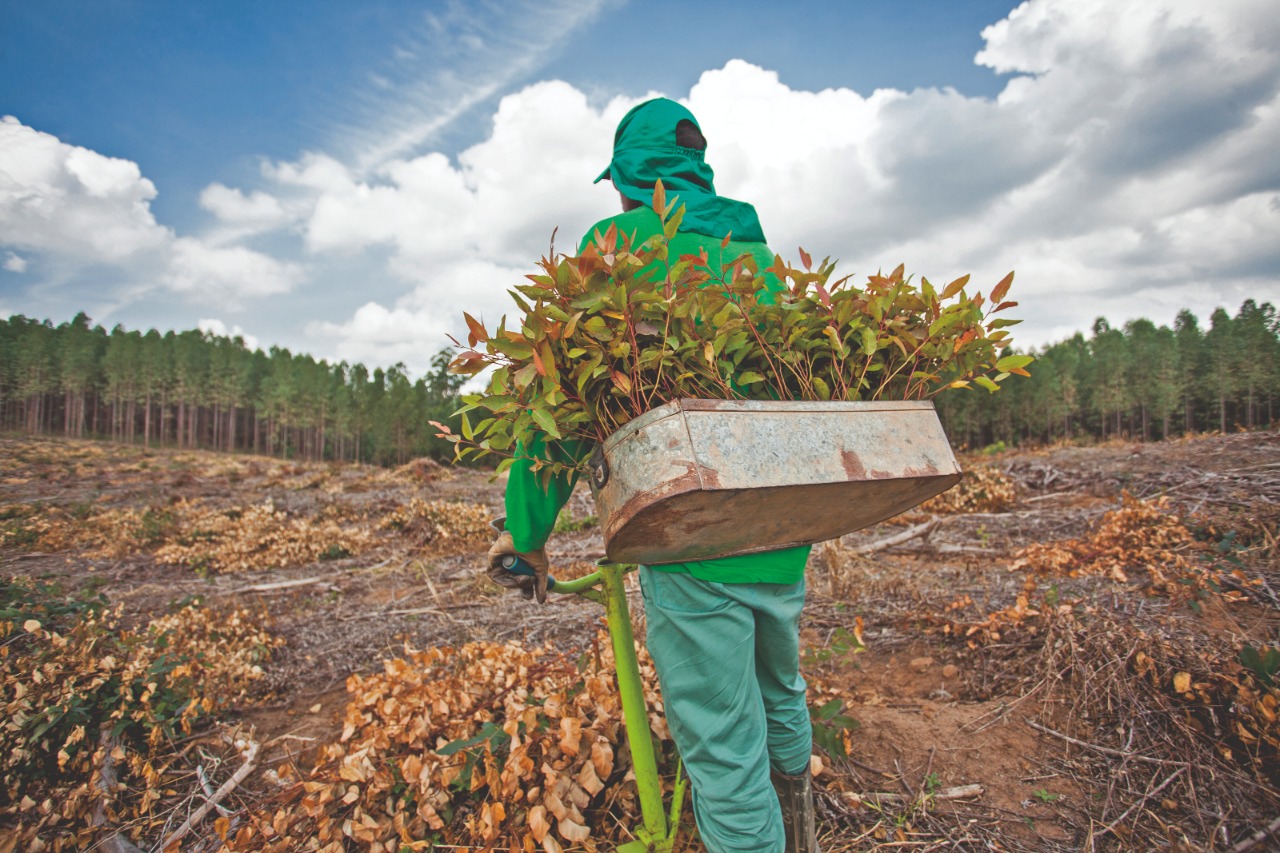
(1072, 650)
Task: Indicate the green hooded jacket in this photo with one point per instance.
(645, 150)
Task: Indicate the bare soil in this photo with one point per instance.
(935, 711)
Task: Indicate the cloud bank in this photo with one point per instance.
(1126, 169)
(85, 210)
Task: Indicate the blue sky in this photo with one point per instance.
(198, 92)
(347, 178)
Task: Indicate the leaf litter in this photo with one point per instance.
(1119, 691)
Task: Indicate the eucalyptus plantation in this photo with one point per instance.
(193, 389)
(1137, 383)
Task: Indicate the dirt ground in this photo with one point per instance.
(936, 708)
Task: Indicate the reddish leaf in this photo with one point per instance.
(955, 287)
(998, 294)
(823, 296)
(478, 333)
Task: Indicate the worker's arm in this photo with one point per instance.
(533, 502)
(532, 507)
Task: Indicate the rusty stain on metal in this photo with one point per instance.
(853, 465)
(696, 479)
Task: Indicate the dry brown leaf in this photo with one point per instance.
(588, 779)
(570, 733)
(538, 824)
(602, 758)
(572, 832)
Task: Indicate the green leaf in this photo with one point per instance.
(986, 382)
(830, 709)
(548, 423)
(572, 325)
(1011, 362)
(868, 341)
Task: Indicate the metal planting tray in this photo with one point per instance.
(697, 479)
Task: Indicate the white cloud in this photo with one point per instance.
(1130, 170)
(214, 326)
(234, 207)
(500, 201)
(461, 55)
(227, 275)
(71, 201)
(1135, 168)
(378, 335)
(417, 326)
(1126, 169)
(84, 210)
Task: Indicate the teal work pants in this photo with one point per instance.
(728, 661)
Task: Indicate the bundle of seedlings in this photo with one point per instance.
(621, 329)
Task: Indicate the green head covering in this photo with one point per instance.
(645, 149)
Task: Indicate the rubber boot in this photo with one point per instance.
(795, 793)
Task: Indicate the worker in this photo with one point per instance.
(723, 633)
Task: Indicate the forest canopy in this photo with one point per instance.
(1137, 382)
(195, 389)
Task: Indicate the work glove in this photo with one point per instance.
(534, 586)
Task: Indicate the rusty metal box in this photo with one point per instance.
(697, 479)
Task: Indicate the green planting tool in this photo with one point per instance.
(659, 824)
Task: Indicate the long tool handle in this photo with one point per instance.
(635, 712)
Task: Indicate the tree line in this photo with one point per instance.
(195, 389)
(1138, 382)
